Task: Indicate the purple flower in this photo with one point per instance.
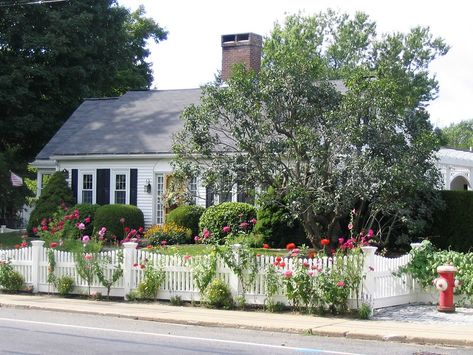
(85, 239)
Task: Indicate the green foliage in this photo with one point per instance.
(153, 278)
(459, 135)
(426, 259)
(176, 301)
(276, 224)
(56, 194)
(47, 69)
(186, 216)
(452, 226)
(326, 146)
(168, 233)
(86, 210)
(110, 216)
(227, 214)
(204, 269)
(218, 295)
(65, 285)
(10, 280)
(365, 311)
(272, 286)
(102, 265)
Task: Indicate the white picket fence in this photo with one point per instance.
(380, 286)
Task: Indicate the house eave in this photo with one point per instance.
(44, 164)
(112, 156)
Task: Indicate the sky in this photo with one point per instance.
(191, 56)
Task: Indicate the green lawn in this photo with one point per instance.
(9, 240)
(201, 249)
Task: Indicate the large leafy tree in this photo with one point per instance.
(459, 135)
(55, 54)
(326, 147)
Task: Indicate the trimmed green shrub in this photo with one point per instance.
(110, 217)
(186, 216)
(452, 227)
(229, 214)
(65, 285)
(55, 194)
(276, 224)
(86, 210)
(171, 233)
(218, 295)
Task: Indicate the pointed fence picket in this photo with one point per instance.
(382, 285)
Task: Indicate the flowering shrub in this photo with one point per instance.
(169, 232)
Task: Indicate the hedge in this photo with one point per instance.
(452, 227)
(109, 216)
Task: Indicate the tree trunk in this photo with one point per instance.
(312, 228)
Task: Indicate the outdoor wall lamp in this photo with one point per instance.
(147, 187)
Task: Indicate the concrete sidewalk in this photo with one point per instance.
(444, 334)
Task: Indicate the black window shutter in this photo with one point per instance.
(103, 187)
(74, 184)
(133, 187)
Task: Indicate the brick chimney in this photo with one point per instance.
(242, 48)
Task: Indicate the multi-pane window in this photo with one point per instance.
(120, 188)
(159, 199)
(87, 188)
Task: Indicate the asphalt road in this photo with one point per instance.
(43, 332)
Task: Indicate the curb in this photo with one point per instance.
(216, 324)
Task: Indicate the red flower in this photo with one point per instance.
(149, 246)
(244, 225)
(17, 246)
(135, 264)
(253, 221)
(53, 245)
(282, 264)
(35, 230)
(142, 266)
(290, 246)
(226, 229)
(306, 264)
(44, 228)
(278, 259)
(87, 220)
(140, 230)
(265, 246)
(127, 230)
(340, 283)
(325, 242)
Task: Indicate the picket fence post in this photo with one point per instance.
(37, 251)
(368, 264)
(128, 261)
(233, 280)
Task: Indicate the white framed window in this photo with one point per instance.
(159, 191)
(86, 186)
(120, 186)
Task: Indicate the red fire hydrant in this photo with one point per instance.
(445, 284)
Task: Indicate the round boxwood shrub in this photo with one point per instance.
(54, 194)
(110, 217)
(229, 214)
(186, 216)
(86, 210)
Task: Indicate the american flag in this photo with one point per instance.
(15, 179)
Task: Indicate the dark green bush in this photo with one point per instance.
(86, 210)
(186, 216)
(229, 214)
(109, 216)
(54, 195)
(276, 224)
(453, 226)
(218, 295)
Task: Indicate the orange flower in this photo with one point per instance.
(290, 246)
(325, 242)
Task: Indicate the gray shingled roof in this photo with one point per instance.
(139, 122)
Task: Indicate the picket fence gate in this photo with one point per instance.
(381, 286)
